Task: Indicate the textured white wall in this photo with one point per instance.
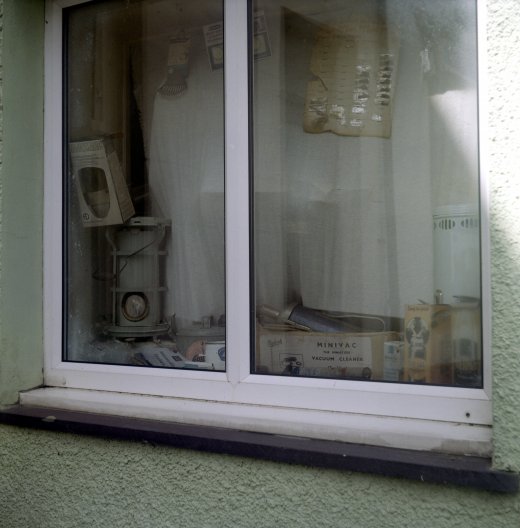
(504, 170)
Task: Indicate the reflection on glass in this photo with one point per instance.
(366, 194)
(145, 216)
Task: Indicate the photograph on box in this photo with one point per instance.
(365, 216)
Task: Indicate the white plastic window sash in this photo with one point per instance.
(336, 409)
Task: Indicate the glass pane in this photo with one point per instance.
(145, 184)
(366, 190)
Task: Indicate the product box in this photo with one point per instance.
(427, 344)
(393, 361)
(103, 195)
(341, 355)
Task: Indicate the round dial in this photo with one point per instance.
(135, 306)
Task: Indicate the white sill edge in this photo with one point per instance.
(405, 433)
(278, 380)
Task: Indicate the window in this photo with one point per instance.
(366, 191)
(145, 127)
(273, 217)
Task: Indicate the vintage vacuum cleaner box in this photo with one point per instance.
(319, 354)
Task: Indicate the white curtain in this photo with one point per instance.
(341, 223)
(186, 177)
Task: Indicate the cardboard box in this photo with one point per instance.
(103, 195)
(393, 361)
(428, 351)
(300, 353)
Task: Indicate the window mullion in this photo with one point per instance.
(237, 189)
(52, 188)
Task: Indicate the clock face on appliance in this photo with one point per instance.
(135, 306)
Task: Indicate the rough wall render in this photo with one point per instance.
(21, 192)
(1, 133)
(503, 166)
(63, 481)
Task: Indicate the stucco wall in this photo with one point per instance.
(504, 167)
(59, 480)
(21, 202)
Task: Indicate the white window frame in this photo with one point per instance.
(450, 419)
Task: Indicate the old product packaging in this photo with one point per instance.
(102, 191)
(353, 66)
(393, 361)
(427, 355)
(300, 353)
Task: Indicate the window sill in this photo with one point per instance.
(469, 471)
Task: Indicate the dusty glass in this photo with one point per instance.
(144, 184)
(366, 190)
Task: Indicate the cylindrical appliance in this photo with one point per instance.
(456, 239)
